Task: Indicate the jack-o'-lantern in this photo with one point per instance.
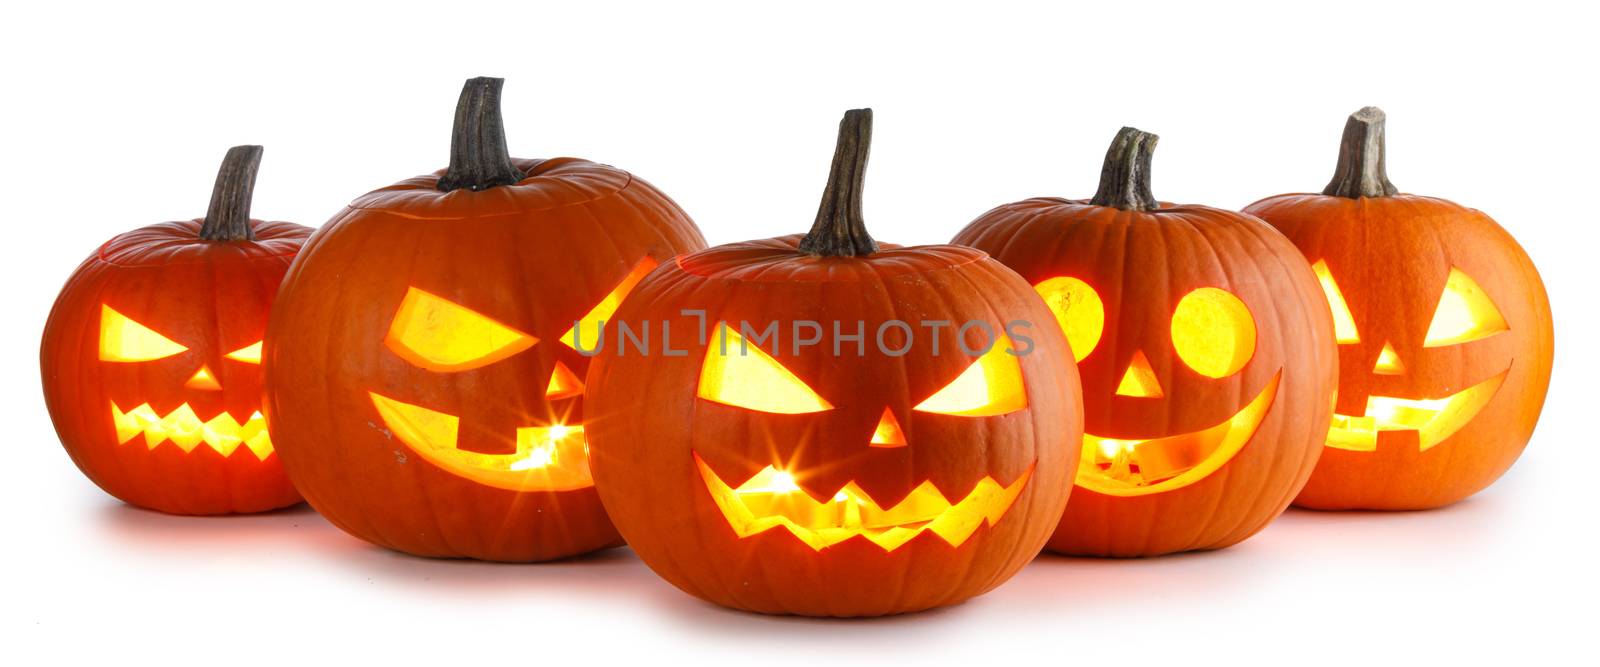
(824, 426)
(151, 357)
(1444, 332)
(424, 373)
(1206, 356)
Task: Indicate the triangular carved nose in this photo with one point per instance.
(563, 383)
(888, 433)
(1139, 381)
(203, 379)
(1388, 362)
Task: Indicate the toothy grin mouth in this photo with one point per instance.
(1434, 420)
(1123, 467)
(548, 458)
(182, 427)
(771, 499)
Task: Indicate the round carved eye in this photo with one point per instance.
(1078, 310)
(1213, 332)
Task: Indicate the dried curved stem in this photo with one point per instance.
(228, 216)
(479, 159)
(840, 230)
(1125, 175)
(1361, 171)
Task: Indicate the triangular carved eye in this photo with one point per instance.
(742, 375)
(1344, 326)
(438, 334)
(587, 330)
(991, 386)
(124, 340)
(250, 354)
(1465, 313)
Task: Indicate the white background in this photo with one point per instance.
(116, 117)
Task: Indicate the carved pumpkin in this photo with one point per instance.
(1444, 331)
(152, 357)
(907, 468)
(1206, 355)
(423, 380)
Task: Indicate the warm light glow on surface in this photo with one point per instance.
(1079, 311)
(548, 458)
(203, 380)
(1344, 326)
(1139, 381)
(250, 354)
(771, 499)
(744, 376)
(182, 427)
(1434, 420)
(992, 385)
(1123, 467)
(440, 335)
(589, 327)
(563, 383)
(1213, 332)
(888, 433)
(122, 339)
(1388, 362)
(1465, 313)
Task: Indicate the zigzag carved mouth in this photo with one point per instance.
(182, 427)
(771, 499)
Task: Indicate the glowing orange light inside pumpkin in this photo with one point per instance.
(563, 383)
(771, 499)
(1344, 326)
(124, 340)
(1465, 313)
(203, 380)
(742, 375)
(440, 335)
(1139, 381)
(1079, 311)
(888, 433)
(250, 354)
(1388, 362)
(1213, 332)
(1128, 467)
(548, 458)
(992, 385)
(183, 428)
(590, 325)
(1434, 419)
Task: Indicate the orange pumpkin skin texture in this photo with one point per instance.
(202, 301)
(521, 261)
(1393, 258)
(1141, 261)
(656, 437)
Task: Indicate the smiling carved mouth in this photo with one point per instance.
(1433, 419)
(548, 458)
(771, 499)
(182, 427)
(1125, 467)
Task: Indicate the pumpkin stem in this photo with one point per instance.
(840, 230)
(1125, 175)
(228, 217)
(479, 159)
(1361, 171)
